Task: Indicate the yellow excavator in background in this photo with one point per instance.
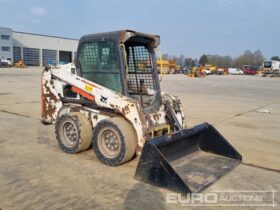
(212, 69)
(168, 66)
(164, 66)
(197, 71)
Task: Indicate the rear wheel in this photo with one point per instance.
(73, 132)
(114, 141)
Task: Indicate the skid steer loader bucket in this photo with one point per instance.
(188, 161)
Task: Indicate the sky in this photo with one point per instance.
(187, 27)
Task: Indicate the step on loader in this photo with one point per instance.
(111, 100)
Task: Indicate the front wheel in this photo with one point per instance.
(73, 132)
(114, 141)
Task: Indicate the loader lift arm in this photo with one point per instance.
(104, 97)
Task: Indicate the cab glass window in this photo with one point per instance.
(99, 64)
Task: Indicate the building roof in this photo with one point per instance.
(5, 28)
(58, 37)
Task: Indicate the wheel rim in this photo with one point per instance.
(69, 133)
(109, 143)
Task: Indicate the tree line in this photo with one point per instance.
(247, 58)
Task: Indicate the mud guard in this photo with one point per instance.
(188, 161)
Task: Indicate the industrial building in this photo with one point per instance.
(36, 49)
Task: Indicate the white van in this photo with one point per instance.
(235, 71)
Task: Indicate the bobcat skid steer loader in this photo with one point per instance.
(111, 100)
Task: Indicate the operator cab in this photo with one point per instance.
(123, 61)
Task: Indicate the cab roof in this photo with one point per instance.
(122, 36)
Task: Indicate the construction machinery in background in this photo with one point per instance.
(209, 69)
(168, 66)
(8, 63)
(163, 66)
(197, 71)
(221, 71)
(174, 67)
(215, 69)
(20, 64)
(111, 100)
(201, 71)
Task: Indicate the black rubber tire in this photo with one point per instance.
(84, 132)
(127, 137)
